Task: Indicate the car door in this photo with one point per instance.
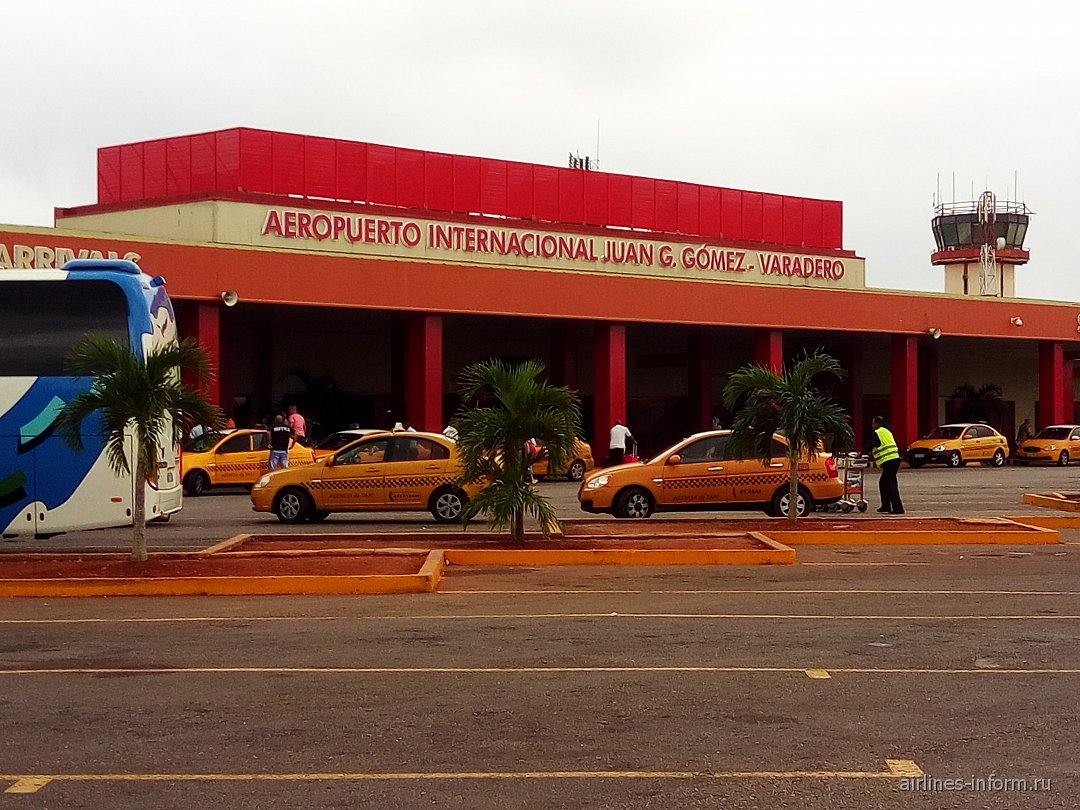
(260, 454)
(970, 445)
(416, 467)
(232, 461)
(698, 476)
(752, 481)
(355, 479)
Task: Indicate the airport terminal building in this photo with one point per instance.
(356, 279)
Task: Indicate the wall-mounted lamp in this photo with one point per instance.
(1016, 321)
(229, 298)
(934, 332)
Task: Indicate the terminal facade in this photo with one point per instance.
(358, 280)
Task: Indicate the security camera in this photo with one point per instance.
(1016, 321)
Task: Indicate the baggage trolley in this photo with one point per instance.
(851, 467)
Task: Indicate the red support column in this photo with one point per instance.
(423, 371)
(904, 421)
(609, 379)
(700, 371)
(769, 349)
(202, 320)
(1051, 383)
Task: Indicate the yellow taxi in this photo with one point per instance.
(700, 473)
(1057, 444)
(335, 441)
(383, 471)
(957, 444)
(236, 458)
(573, 468)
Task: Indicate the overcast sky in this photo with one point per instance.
(863, 101)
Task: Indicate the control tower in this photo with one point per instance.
(980, 244)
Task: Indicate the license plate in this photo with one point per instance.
(918, 455)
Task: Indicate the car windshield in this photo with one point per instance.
(945, 432)
(1053, 433)
(202, 442)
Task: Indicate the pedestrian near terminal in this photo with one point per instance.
(886, 455)
(1024, 433)
(298, 425)
(617, 442)
(280, 439)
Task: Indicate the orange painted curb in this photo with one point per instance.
(899, 537)
(425, 581)
(776, 554)
(1051, 502)
(1048, 521)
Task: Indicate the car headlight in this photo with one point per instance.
(599, 481)
(262, 482)
(938, 448)
(1051, 447)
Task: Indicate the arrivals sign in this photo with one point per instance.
(15, 256)
(490, 243)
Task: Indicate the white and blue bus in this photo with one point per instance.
(46, 487)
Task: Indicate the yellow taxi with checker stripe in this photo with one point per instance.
(236, 458)
(701, 472)
(383, 471)
(1054, 444)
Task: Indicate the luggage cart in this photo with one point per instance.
(851, 467)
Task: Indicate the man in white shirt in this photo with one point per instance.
(617, 442)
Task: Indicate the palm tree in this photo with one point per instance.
(971, 404)
(145, 399)
(515, 407)
(786, 403)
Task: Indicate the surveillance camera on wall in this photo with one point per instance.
(934, 332)
(1016, 321)
(229, 298)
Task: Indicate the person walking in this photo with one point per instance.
(886, 455)
(298, 425)
(617, 441)
(1024, 433)
(280, 439)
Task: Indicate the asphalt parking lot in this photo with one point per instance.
(925, 677)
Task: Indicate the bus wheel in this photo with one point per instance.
(293, 506)
(196, 483)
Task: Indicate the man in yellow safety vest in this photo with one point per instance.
(886, 456)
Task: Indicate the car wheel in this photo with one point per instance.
(293, 506)
(196, 483)
(1063, 459)
(955, 459)
(998, 459)
(447, 504)
(782, 497)
(576, 471)
(634, 503)
(318, 515)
